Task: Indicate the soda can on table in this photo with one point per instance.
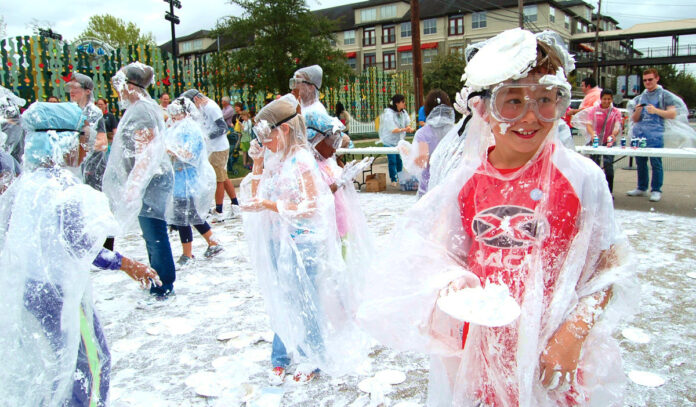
(595, 142)
(643, 143)
(623, 142)
(634, 143)
(610, 141)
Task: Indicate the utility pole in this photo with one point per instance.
(520, 13)
(596, 43)
(173, 19)
(416, 49)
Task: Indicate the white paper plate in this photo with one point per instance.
(691, 275)
(390, 376)
(646, 379)
(490, 306)
(636, 335)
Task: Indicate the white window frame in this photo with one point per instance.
(478, 20)
(429, 54)
(405, 33)
(349, 37)
(566, 22)
(552, 14)
(406, 58)
(531, 13)
(430, 26)
(388, 11)
(368, 14)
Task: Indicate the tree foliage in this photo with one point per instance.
(444, 72)
(271, 40)
(115, 31)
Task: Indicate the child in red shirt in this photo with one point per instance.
(521, 212)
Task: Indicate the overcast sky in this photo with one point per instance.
(203, 14)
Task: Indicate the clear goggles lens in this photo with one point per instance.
(262, 130)
(296, 81)
(510, 103)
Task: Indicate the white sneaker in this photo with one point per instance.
(215, 217)
(637, 192)
(655, 196)
(235, 211)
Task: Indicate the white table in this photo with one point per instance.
(638, 152)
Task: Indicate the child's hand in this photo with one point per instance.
(140, 272)
(559, 362)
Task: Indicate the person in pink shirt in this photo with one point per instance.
(603, 121)
(592, 94)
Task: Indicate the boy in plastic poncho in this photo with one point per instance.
(290, 226)
(524, 213)
(52, 345)
(604, 122)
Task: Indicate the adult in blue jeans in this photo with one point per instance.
(652, 107)
(139, 178)
(394, 123)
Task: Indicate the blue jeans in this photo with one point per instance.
(308, 301)
(657, 173)
(159, 253)
(394, 163)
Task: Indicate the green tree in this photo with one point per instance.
(271, 40)
(115, 31)
(445, 72)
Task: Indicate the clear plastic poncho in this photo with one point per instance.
(356, 239)
(53, 227)
(94, 164)
(604, 122)
(296, 252)
(416, 156)
(11, 123)
(194, 177)
(390, 120)
(9, 167)
(659, 132)
(138, 178)
(546, 232)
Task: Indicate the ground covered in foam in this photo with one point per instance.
(213, 337)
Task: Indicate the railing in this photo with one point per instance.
(669, 51)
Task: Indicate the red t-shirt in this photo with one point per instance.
(505, 225)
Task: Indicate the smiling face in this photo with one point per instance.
(516, 142)
(606, 101)
(650, 81)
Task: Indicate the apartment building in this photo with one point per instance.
(378, 32)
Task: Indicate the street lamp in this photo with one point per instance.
(173, 19)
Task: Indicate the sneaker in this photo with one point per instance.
(637, 192)
(163, 296)
(305, 373)
(212, 251)
(215, 216)
(655, 196)
(235, 211)
(276, 376)
(185, 260)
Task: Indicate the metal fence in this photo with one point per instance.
(37, 67)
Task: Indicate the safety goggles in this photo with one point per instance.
(263, 129)
(510, 102)
(295, 81)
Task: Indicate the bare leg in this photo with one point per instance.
(219, 193)
(187, 248)
(208, 238)
(229, 188)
